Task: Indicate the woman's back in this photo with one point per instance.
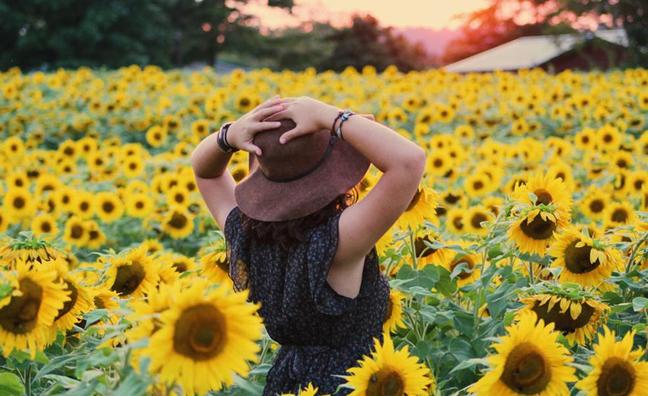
(321, 332)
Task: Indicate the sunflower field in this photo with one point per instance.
(519, 268)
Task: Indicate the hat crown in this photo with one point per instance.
(283, 162)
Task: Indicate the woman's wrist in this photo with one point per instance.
(327, 115)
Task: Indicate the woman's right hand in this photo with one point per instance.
(241, 132)
(310, 115)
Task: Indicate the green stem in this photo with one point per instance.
(634, 252)
(412, 247)
(28, 379)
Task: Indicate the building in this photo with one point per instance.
(594, 50)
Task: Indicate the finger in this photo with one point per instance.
(251, 148)
(290, 135)
(279, 115)
(263, 113)
(264, 125)
(369, 116)
(270, 102)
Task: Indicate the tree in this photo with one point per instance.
(367, 43)
(71, 33)
(489, 27)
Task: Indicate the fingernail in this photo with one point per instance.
(282, 140)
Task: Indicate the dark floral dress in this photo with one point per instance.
(321, 332)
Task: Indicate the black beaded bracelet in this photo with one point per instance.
(222, 139)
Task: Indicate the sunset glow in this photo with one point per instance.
(436, 14)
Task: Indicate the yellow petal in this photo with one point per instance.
(575, 310)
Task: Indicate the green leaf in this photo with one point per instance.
(639, 304)
(10, 384)
(469, 363)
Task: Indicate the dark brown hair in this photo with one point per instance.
(288, 233)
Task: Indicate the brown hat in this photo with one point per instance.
(297, 178)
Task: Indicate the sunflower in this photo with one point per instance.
(108, 206)
(529, 361)
(25, 319)
(583, 260)
(471, 261)
(426, 254)
(215, 265)
(96, 237)
(577, 319)
(619, 213)
(44, 224)
(206, 337)
(84, 204)
(309, 390)
(594, 203)
(455, 221)
(421, 207)
(534, 230)
(617, 369)
(145, 317)
(389, 372)
(133, 166)
(239, 172)
(153, 246)
(178, 222)
(133, 274)
(33, 251)
(139, 204)
(394, 316)
(439, 163)
(474, 217)
(75, 232)
(18, 203)
(546, 190)
(177, 195)
(478, 184)
(156, 136)
(80, 301)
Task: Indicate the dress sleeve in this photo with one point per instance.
(319, 255)
(238, 269)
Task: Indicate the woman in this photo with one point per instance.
(293, 237)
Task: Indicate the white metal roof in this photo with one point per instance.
(530, 51)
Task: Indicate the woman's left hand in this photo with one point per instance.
(242, 131)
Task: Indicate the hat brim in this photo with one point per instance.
(265, 200)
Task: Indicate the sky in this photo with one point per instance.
(435, 14)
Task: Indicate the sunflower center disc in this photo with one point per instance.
(199, 332)
(563, 321)
(69, 304)
(538, 228)
(597, 206)
(526, 371)
(477, 219)
(620, 216)
(421, 249)
(128, 279)
(544, 197)
(577, 259)
(389, 384)
(20, 315)
(617, 378)
(462, 260)
(178, 220)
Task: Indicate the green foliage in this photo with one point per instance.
(66, 33)
(367, 43)
(10, 384)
